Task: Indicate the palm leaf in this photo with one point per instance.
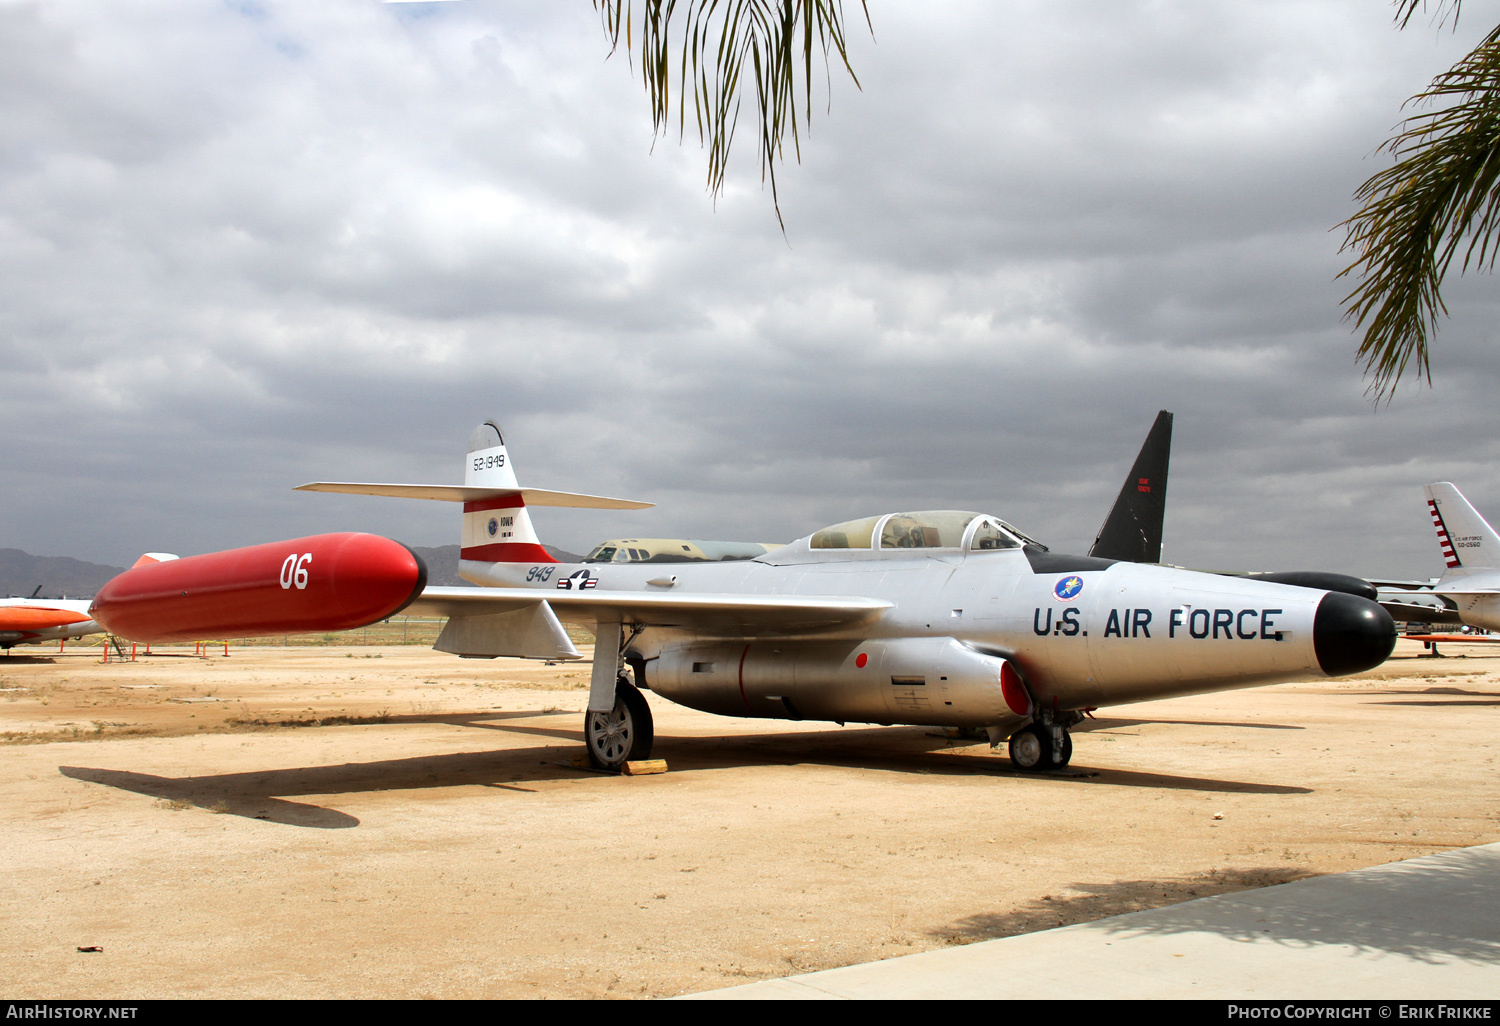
(719, 44)
(1442, 196)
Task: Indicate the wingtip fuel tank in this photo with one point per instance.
(326, 582)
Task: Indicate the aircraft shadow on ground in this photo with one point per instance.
(912, 750)
(1395, 917)
(1454, 697)
(1445, 703)
(228, 794)
(1112, 723)
(263, 794)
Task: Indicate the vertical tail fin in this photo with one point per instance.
(1132, 531)
(496, 530)
(1468, 542)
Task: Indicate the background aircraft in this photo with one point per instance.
(1469, 589)
(32, 620)
(1133, 529)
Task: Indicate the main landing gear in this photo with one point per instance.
(623, 734)
(1041, 746)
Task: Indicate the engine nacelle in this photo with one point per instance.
(929, 681)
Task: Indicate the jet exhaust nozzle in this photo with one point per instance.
(1351, 634)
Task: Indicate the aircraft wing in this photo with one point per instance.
(469, 493)
(1461, 639)
(1421, 614)
(719, 613)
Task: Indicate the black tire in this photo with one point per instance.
(1030, 749)
(623, 734)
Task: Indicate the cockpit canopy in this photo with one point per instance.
(927, 529)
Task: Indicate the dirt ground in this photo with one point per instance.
(394, 822)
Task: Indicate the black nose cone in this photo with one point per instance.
(1351, 634)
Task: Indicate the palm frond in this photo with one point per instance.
(718, 44)
(1446, 13)
(1442, 196)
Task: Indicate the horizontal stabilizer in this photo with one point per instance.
(467, 493)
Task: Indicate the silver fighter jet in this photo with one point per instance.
(945, 618)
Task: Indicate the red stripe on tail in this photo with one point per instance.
(506, 552)
(1450, 557)
(504, 502)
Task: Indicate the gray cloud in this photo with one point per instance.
(245, 246)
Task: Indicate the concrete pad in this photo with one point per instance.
(1425, 928)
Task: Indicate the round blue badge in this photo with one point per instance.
(1068, 588)
(494, 526)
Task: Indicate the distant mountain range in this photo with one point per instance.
(64, 577)
(59, 576)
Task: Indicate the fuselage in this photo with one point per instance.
(1477, 596)
(25, 621)
(1083, 632)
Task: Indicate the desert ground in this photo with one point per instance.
(387, 821)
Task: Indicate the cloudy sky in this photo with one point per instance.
(245, 245)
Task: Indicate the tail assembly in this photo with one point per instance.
(1468, 542)
(496, 527)
(152, 557)
(1132, 531)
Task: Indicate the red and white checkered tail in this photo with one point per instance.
(1467, 540)
(496, 530)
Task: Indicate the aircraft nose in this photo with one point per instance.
(1351, 634)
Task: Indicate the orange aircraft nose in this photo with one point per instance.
(36, 618)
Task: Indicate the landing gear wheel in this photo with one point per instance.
(1031, 748)
(623, 734)
(1067, 750)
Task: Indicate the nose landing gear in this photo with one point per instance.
(1042, 745)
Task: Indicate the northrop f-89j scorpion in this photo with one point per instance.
(939, 618)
